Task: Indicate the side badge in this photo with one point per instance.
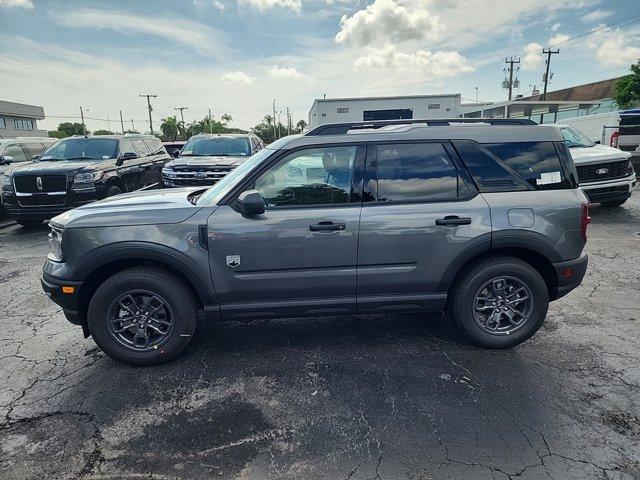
(233, 260)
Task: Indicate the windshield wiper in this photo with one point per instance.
(79, 158)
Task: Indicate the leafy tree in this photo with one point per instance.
(626, 91)
(171, 128)
(226, 118)
(103, 132)
(265, 129)
(132, 131)
(68, 129)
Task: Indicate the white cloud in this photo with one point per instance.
(237, 77)
(532, 56)
(217, 4)
(435, 65)
(555, 26)
(558, 39)
(615, 48)
(180, 30)
(388, 21)
(294, 5)
(596, 16)
(28, 4)
(286, 73)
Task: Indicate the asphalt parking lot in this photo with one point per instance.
(358, 397)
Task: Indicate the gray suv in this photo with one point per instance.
(483, 219)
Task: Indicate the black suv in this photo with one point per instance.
(206, 158)
(79, 170)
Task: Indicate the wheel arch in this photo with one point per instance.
(540, 255)
(108, 261)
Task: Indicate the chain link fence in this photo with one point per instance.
(626, 138)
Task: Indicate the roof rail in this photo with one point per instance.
(343, 128)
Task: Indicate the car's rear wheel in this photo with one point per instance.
(613, 204)
(114, 190)
(30, 222)
(142, 316)
(499, 302)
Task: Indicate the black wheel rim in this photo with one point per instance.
(503, 305)
(140, 320)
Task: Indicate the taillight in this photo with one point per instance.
(584, 220)
(614, 140)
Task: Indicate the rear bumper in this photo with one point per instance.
(52, 286)
(570, 274)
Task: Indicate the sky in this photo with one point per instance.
(238, 56)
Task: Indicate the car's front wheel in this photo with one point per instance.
(142, 316)
(499, 302)
(30, 222)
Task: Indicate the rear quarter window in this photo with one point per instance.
(536, 162)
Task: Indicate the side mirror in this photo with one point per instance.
(126, 156)
(176, 154)
(35, 157)
(250, 203)
(5, 159)
(597, 142)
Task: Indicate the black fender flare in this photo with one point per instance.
(116, 252)
(526, 240)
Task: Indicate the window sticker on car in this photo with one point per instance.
(549, 177)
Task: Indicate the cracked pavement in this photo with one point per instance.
(353, 397)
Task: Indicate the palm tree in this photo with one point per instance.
(301, 126)
(170, 129)
(226, 118)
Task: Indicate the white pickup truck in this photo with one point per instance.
(605, 173)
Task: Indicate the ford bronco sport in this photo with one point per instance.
(483, 219)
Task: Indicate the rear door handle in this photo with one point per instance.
(327, 227)
(453, 221)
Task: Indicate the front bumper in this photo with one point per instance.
(53, 287)
(610, 190)
(570, 274)
(71, 200)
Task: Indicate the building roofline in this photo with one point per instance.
(393, 97)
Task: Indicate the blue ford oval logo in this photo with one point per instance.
(201, 175)
(602, 171)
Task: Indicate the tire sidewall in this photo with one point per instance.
(114, 190)
(184, 312)
(527, 275)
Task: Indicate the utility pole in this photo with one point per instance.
(275, 136)
(210, 123)
(108, 124)
(181, 114)
(149, 96)
(510, 83)
(288, 122)
(133, 128)
(121, 122)
(476, 94)
(84, 127)
(548, 52)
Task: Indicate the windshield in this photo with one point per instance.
(574, 138)
(214, 194)
(225, 146)
(82, 149)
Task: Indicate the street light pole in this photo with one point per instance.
(274, 120)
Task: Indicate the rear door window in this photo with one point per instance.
(536, 162)
(141, 147)
(416, 172)
(155, 146)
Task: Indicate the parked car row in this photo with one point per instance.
(44, 177)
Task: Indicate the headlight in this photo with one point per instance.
(167, 172)
(55, 244)
(630, 167)
(89, 177)
(6, 181)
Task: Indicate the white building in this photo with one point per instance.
(20, 120)
(342, 110)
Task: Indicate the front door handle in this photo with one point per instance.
(327, 227)
(453, 221)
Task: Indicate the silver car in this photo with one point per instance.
(483, 219)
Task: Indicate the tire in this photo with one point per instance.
(142, 282)
(113, 190)
(512, 271)
(30, 222)
(615, 203)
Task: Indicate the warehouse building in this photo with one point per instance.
(341, 110)
(20, 120)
